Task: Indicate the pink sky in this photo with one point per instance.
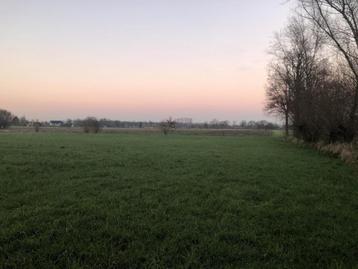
(135, 60)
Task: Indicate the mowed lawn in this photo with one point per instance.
(177, 201)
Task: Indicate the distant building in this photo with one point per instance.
(184, 122)
(56, 123)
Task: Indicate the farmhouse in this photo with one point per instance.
(56, 123)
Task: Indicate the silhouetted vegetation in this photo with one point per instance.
(37, 126)
(91, 125)
(316, 93)
(167, 125)
(6, 118)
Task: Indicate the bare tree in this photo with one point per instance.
(91, 125)
(37, 126)
(167, 125)
(5, 118)
(338, 19)
(23, 121)
(293, 75)
(68, 123)
(278, 96)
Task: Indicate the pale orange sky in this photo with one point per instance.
(136, 60)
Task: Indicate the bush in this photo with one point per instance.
(37, 126)
(91, 125)
(5, 118)
(167, 125)
(346, 152)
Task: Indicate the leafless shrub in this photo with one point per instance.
(91, 125)
(346, 152)
(37, 126)
(5, 118)
(347, 155)
(319, 145)
(167, 125)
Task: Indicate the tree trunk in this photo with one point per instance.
(352, 125)
(286, 124)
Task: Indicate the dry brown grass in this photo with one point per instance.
(347, 152)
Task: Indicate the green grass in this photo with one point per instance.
(150, 201)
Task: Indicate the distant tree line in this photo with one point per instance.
(94, 125)
(313, 75)
(179, 124)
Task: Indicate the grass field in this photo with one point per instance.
(177, 201)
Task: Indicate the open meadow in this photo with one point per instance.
(71, 200)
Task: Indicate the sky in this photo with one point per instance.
(137, 59)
